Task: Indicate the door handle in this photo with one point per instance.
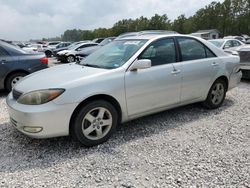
(3, 62)
(215, 64)
(176, 72)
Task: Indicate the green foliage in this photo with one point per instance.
(232, 17)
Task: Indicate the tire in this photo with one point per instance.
(216, 95)
(71, 59)
(48, 53)
(13, 79)
(94, 123)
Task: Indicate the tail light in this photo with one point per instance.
(44, 60)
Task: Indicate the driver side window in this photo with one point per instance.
(160, 52)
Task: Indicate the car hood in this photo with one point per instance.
(63, 52)
(61, 76)
(60, 49)
(88, 50)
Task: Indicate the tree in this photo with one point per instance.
(231, 17)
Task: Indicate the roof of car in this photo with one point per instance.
(217, 39)
(146, 34)
(224, 40)
(153, 36)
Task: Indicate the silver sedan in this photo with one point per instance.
(126, 79)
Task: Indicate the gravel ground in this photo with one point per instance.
(183, 147)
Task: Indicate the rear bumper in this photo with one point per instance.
(234, 80)
(38, 68)
(245, 66)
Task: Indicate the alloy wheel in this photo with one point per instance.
(71, 59)
(97, 123)
(217, 93)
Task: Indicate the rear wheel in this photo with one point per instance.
(48, 53)
(13, 79)
(216, 95)
(94, 123)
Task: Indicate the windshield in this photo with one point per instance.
(15, 48)
(74, 46)
(217, 43)
(106, 41)
(114, 54)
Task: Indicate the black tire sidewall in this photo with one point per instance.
(11, 77)
(76, 129)
(48, 53)
(208, 103)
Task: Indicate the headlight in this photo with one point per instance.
(40, 97)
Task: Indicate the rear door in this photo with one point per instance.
(5, 63)
(199, 66)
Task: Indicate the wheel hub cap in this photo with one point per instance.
(217, 93)
(97, 123)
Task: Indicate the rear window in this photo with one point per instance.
(13, 49)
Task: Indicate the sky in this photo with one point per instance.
(37, 19)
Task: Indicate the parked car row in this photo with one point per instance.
(243, 38)
(238, 48)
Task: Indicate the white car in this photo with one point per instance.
(227, 44)
(69, 55)
(126, 79)
(235, 47)
(34, 48)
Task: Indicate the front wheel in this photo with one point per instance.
(95, 123)
(71, 59)
(216, 95)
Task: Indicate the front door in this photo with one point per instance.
(156, 87)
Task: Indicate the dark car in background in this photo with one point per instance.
(98, 40)
(60, 47)
(87, 51)
(49, 47)
(16, 63)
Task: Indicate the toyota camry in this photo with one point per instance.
(126, 79)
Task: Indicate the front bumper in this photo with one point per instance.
(61, 58)
(54, 119)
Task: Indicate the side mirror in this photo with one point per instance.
(141, 64)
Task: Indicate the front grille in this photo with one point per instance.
(244, 56)
(13, 122)
(16, 94)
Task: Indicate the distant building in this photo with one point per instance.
(207, 34)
